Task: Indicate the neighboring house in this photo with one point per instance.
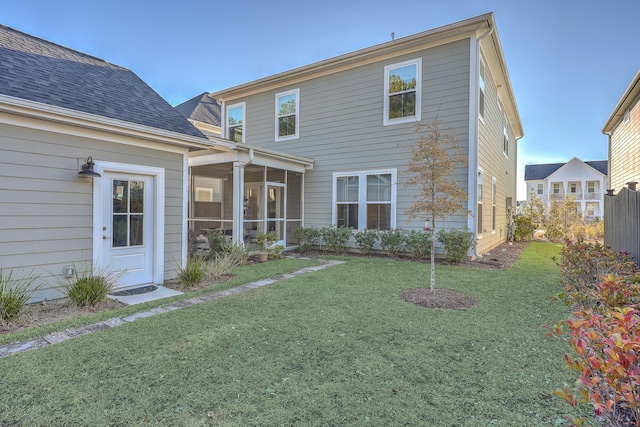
(329, 143)
(623, 129)
(585, 182)
(59, 108)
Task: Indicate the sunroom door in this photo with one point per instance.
(276, 208)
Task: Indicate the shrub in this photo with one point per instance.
(583, 265)
(217, 241)
(418, 243)
(194, 272)
(220, 266)
(607, 361)
(88, 288)
(524, 228)
(335, 239)
(15, 292)
(392, 241)
(237, 252)
(456, 243)
(307, 238)
(366, 239)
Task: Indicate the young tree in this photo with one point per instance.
(434, 158)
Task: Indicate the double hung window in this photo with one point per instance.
(235, 122)
(402, 92)
(365, 199)
(287, 115)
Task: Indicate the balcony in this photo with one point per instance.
(577, 196)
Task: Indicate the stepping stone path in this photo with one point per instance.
(57, 337)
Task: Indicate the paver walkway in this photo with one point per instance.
(68, 334)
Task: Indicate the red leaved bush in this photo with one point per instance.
(604, 331)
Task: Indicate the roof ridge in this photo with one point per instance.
(60, 46)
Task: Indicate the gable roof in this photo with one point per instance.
(543, 171)
(627, 101)
(37, 70)
(202, 108)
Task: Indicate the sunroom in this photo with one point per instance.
(246, 190)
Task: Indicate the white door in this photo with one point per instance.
(128, 227)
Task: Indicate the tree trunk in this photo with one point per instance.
(432, 285)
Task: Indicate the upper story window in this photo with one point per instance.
(482, 89)
(540, 188)
(556, 188)
(235, 122)
(287, 120)
(402, 91)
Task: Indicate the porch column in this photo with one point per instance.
(238, 203)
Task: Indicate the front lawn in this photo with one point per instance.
(335, 347)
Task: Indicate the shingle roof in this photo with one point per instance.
(38, 70)
(539, 172)
(202, 108)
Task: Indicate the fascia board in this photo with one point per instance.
(37, 110)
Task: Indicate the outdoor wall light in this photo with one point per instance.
(87, 169)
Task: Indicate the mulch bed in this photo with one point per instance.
(500, 257)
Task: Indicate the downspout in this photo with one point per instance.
(473, 159)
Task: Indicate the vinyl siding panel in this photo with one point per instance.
(46, 210)
(492, 160)
(624, 156)
(341, 125)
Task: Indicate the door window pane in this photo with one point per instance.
(127, 213)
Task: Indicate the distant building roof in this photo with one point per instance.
(202, 108)
(38, 70)
(539, 172)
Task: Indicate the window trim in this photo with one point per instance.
(385, 113)
(296, 135)
(362, 195)
(480, 204)
(482, 93)
(244, 119)
(494, 196)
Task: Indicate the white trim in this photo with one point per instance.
(479, 201)
(185, 210)
(81, 121)
(494, 196)
(296, 135)
(244, 119)
(158, 242)
(362, 195)
(418, 116)
(473, 135)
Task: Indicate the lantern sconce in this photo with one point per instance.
(87, 169)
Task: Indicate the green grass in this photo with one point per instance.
(331, 348)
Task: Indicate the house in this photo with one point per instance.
(623, 129)
(585, 182)
(61, 110)
(329, 143)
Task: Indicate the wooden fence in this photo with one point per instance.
(622, 222)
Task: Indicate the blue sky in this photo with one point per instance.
(569, 61)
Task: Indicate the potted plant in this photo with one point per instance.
(266, 241)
